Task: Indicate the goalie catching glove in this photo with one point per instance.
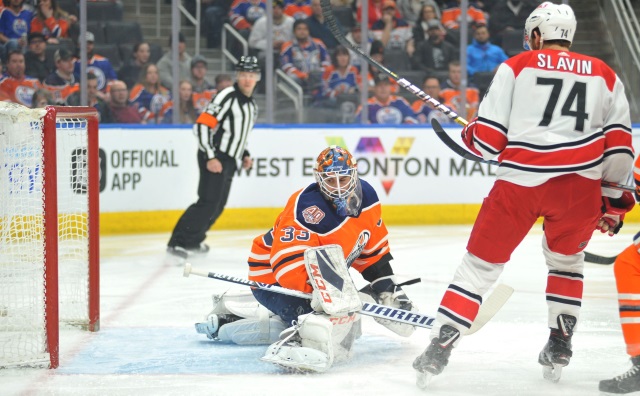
(386, 291)
(613, 210)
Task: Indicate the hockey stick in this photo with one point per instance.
(334, 27)
(461, 151)
(487, 310)
(597, 259)
(369, 309)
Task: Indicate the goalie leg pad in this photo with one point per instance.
(316, 342)
(306, 346)
(334, 291)
(236, 302)
(252, 331)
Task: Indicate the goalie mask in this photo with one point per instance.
(554, 21)
(337, 176)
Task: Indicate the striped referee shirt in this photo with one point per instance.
(225, 123)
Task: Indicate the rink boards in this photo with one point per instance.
(149, 175)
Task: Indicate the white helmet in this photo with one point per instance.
(555, 22)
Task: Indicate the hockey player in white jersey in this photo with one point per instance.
(559, 123)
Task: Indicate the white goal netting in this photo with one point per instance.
(28, 278)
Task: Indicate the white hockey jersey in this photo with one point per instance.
(549, 113)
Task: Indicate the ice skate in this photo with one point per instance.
(184, 253)
(556, 354)
(177, 255)
(213, 323)
(294, 354)
(626, 383)
(434, 359)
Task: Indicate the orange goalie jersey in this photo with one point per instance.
(310, 221)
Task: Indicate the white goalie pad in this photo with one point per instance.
(237, 302)
(315, 343)
(333, 287)
(254, 331)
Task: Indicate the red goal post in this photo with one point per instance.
(49, 229)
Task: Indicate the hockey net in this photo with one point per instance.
(49, 186)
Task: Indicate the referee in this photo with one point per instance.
(222, 130)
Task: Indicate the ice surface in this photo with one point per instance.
(147, 344)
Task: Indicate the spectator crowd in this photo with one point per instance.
(419, 39)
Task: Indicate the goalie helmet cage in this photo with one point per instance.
(49, 232)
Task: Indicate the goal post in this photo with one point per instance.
(49, 229)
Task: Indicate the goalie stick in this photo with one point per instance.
(334, 27)
(487, 310)
(462, 152)
(597, 259)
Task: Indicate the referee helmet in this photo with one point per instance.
(248, 64)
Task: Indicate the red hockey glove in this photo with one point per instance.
(613, 210)
(467, 136)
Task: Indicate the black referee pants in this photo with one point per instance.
(213, 191)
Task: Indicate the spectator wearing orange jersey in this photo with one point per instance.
(15, 85)
(298, 9)
(201, 99)
(451, 15)
(52, 21)
(451, 93)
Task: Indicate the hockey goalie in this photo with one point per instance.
(325, 228)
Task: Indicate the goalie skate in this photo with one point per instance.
(213, 323)
(290, 354)
(295, 357)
